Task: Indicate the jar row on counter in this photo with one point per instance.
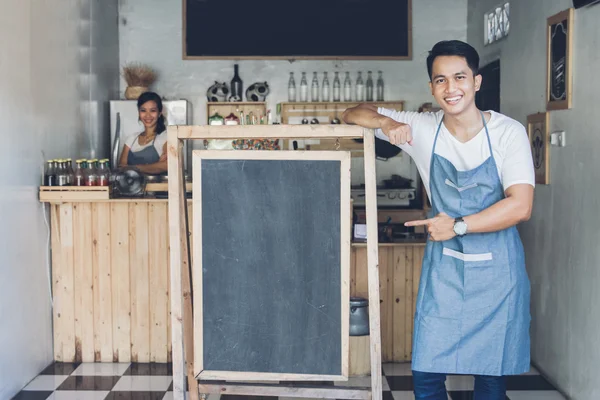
(60, 172)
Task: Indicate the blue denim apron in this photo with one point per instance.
(472, 314)
(148, 155)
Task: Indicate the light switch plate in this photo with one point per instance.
(558, 138)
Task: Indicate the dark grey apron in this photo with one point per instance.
(148, 155)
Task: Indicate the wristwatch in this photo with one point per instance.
(460, 226)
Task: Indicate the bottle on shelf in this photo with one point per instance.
(79, 175)
(91, 173)
(336, 87)
(380, 87)
(62, 175)
(314, 92)
(70, 172)
(360, 88)
(50, 174)
(325, 88)
(347, 88)
(291, 88)
(103, 173)
(369, 86)
(303, 88)
(237, 86)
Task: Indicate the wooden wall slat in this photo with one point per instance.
(84, 282)
(386, 343)
(399, 311)
(103, 346)
(362, 287)
(409, 303)
(139, 282)
(62, 278)
(159, 296)
(121, 296)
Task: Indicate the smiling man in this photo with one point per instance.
(472, 314)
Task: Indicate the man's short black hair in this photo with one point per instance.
(454, 48)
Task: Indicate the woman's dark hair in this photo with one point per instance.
(454, 48)
(151, 96)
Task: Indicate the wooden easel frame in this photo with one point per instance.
(180, 261)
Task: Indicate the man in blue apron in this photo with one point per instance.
(472, 314)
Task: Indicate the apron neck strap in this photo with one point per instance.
(437, 133)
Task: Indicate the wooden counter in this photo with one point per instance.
(110, 278)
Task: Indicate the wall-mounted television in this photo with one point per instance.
(583, 3)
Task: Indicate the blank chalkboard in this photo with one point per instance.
(273, 262)
(377, 29)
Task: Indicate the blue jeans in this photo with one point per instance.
(430, 386)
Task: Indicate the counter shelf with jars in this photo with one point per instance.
(89, 180)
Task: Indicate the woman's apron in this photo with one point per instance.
(472, 315)
(148, 155)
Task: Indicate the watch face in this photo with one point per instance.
(460, 228)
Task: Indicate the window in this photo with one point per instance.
(496, 24)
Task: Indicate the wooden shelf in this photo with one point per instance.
(328, 109)
(326, 112)
(225, 108)
(74, 193)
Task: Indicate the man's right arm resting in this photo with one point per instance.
(366, 115)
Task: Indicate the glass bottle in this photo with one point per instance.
(103, 173)
(314, 92)
(79, 175)
(380, 87)
(347, 88)
(70, 172)
(303, 88)
(325, 89)
(369, 86)
(62, 175)
(50, 174)
(91, 174)
(336, 87)
(237, 85)
(292, 88)
(360, 88)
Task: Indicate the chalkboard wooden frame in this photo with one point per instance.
(187, 56)
(559, 79)
(180, 261)
(200, 155)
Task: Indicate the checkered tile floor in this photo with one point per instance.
(124, 381)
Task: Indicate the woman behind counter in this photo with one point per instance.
(147, 151)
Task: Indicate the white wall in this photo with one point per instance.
(151, 32)
(561, 239)
(47, 109)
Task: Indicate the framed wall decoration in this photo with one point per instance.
(559, 31)
(537, 129)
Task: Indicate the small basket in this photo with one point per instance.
(134, 92)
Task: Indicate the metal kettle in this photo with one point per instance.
(359, 316)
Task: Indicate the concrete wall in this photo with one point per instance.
(561, 239)
(151, 32)
(49, 56)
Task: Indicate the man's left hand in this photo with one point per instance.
(440, 227)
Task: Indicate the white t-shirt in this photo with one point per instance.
(134, 144)
(510, 145)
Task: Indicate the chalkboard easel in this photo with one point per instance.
(239, 237)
